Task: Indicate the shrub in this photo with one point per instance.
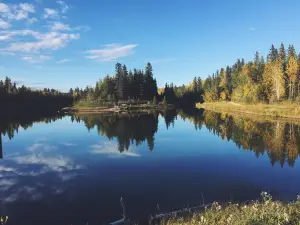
(297, 100)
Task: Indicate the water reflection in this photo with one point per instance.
(278, 139)
(77, 168)
(127, 128)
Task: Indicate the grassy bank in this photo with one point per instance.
(265, 212)
(284, 110)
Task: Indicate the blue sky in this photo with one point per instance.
(63, 44)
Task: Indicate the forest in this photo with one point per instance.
(21, 101)
(137, 86)
(269, 80)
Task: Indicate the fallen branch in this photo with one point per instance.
(161, 216)
(124, 219)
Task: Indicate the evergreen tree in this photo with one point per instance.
(119, 86)
(291, 51)
(282, 53)
(273, 54)
(195, 85)
(199, 83)
(126, 82)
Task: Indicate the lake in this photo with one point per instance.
(74, 169)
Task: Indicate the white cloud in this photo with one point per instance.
(5, 35)
(7, 183)
(111, 149)
(6, 169)
(50, 163)
(4, 24)
(32, 20)
(40, 147)
(27, 7)
(50, 13)
(48, 41)
(69, 144)
(111, 52)
(16, 11)
(63, 61)
(33, 45)
(59, 26)
(4, 8)
(64, 6)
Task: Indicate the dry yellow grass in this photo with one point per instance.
(285, 109)
(265, 212)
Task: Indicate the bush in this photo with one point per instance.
(211, 96)
(297, 100)
(261, 212)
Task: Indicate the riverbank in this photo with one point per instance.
(283, 110)
(117, 109)
(264, 212)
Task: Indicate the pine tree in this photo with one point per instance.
(126, 82)
(282, 53)
(199, 83)
(291, 51)
(7, 85)
(273, 54)
(119, 87)
(195, 85)
(130, 90)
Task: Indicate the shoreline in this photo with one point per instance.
(122, 109)
(263, 211)
(273, 111)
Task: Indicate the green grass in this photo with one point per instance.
(265, 212)
(284, 109)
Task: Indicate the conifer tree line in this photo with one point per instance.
(184, 95)
(269, 80)
(16, 100)
(123, 86)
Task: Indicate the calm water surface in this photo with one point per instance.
(74, 169)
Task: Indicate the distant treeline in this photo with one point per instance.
(137, 85)
(23, 100)
(274, 79)
(124, 85)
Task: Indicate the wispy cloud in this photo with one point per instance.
(63, 61)
(50, 163)
(252, 29)
(48, 41)
(111, 149)
(111, 52)
(34, 45)
(36, 59)
(50, 13)
(40, 147)
(19, 11)
(60, 26)
(4, 24)
(32, 20)
(69, 144)
(64, 6)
